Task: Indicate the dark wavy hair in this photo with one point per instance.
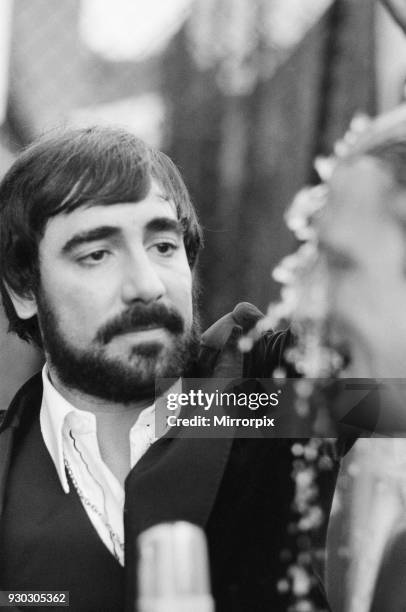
(61, 172)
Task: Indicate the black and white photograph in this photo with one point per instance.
(203, 298)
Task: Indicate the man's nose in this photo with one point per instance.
(141, 280)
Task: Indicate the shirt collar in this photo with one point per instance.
(54, 412)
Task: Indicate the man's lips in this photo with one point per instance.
(149, 331)
(141, 328)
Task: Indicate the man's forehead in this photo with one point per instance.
(126, 216)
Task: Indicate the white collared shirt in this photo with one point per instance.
(70, 434)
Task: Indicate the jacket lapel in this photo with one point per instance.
(28, 396)
(6, 445)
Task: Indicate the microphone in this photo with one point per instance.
(173, 569)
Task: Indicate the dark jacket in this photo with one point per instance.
(240, 491)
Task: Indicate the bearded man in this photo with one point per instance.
(98, 245)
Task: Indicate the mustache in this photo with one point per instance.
(140, 317)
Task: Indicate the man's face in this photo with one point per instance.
(115, 298)
(363, 248)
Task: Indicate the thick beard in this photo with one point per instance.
(93, 372)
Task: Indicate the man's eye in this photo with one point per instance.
(166, 248)
(94, 257)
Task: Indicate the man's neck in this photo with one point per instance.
(114, 422)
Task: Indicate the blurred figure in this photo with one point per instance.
(361, 240)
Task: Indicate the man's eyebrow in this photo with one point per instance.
(164, 224)
(98, 233)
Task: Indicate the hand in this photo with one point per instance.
(397, 9)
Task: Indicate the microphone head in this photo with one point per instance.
(173, 569)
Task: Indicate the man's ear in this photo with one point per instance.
(25, 305)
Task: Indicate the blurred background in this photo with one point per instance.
(242, 94)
